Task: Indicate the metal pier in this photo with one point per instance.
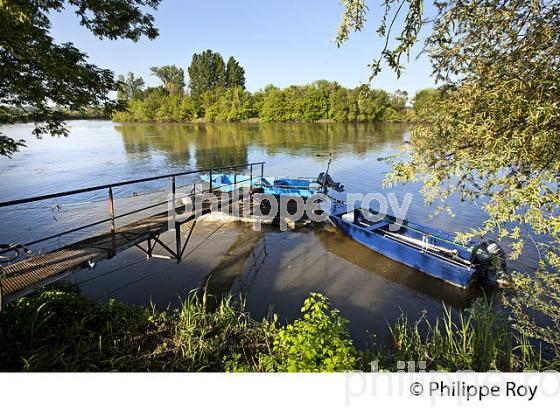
(25, 275)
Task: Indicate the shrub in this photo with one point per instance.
(318, 342)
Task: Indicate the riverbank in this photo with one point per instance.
(254, 121)
(318, 101)
(57, 329)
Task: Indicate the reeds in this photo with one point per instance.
(57, 329)
(478, 339)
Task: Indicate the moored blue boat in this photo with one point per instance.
(428, 250)
(304, 187)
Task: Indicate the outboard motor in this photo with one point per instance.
(490, 261)
(326, 181)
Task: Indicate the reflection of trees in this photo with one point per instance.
(168, 139)
(222, 144)
(299, 138)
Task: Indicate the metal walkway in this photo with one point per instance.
(24, 276)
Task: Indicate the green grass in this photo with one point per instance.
(478, 339)
(58, 329)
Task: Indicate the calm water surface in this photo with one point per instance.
(269, 267)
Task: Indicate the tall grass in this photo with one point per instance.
(478, 339)
(57, 329)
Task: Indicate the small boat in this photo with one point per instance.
(428, 250)
(304, 187)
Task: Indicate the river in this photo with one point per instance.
(269, 268)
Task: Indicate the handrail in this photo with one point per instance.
(116, 184)
(112, 216)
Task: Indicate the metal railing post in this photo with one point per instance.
(262, 175)
(210, 180)
(173, 198)
(251, 179)
(112, 216)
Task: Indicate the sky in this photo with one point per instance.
(277, 42)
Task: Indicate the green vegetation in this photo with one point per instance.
(129, 87)
(207, 72)
(217, 92)
(322, 100)
(41, 79)
(479, 339)
(57, 329)
(494, 134)
(172, 77)
(320, 341)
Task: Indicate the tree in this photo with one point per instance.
(274, 104)
(172, 77)
(129, 87)
(235, 74)
(38, 75)
(495, 134)
(206, 72)
(424, 102)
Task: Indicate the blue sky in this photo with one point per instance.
(277, 42)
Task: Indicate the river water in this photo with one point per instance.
(271, 269)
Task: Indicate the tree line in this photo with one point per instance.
(216, 92)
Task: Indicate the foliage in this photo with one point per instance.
(235, 74)
(208, 71)
(493, 137)
(320, 341)
(172, 77)
(227, 104)
(129, 87)
(38, 74)
(57, 329)
(538, 294)
(354, 19)
(478, 339)
(159, 106)
(425, 102)
(322, 100)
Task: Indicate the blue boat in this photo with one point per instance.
(304, 187)
(428, 250)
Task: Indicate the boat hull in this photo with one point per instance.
(444, 269)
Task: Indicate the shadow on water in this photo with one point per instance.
(239, 266)
(377, 264)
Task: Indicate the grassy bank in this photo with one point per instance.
(57, 329)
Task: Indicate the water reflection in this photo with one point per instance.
(364, 258)
(229, 144)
